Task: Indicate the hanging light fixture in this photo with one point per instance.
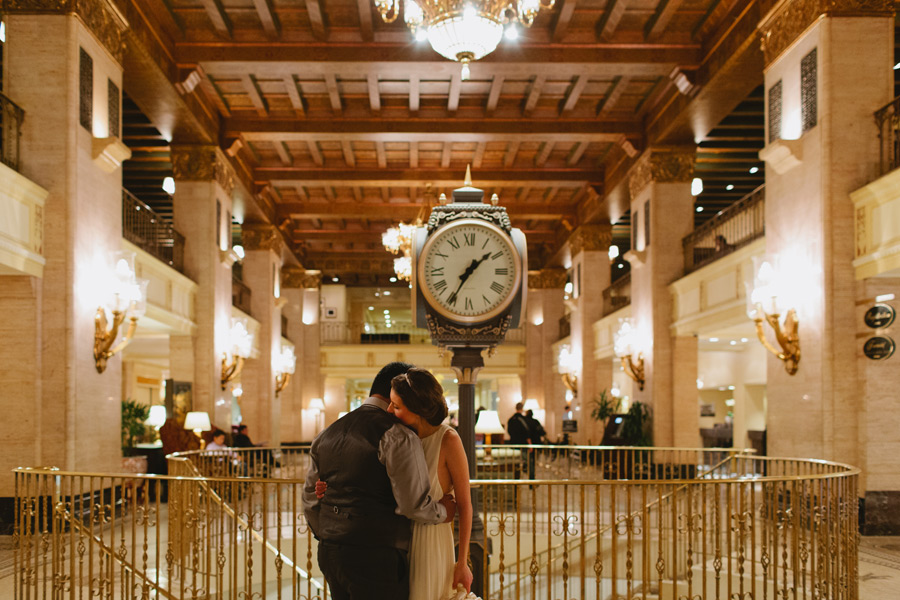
(463, 30)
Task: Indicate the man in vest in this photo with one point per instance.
(377, 481)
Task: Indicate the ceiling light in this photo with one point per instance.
(729, 187)
(386, 293)
(884, 298)
(699, 209)
(729, 402)
(168, 185)
(620, 266)
(393, 280)
(732, 343)
(714, 339)
(335, 279)
(371, 308)
(421, 35)
(897, 66)
(754, 170)
(730, 387)
(744, 340)
(511, 33)
(613, 252)
(388, 325)
(696, 186)
(387, 312)
(3, 33)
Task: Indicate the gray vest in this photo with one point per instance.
(358, 507)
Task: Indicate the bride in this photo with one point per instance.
(417, 399)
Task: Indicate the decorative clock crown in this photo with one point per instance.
(468, 202)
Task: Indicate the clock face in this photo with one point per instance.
(470, 271)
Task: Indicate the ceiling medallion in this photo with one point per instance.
(463, 30)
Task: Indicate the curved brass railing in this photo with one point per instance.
(686, 524)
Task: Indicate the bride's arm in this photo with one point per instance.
(458, 465)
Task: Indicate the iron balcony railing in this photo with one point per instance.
(337, 333)
(678, 523)
(565, 326)
(11, 117)
(617, 295)
(735, 227)
(240, 294)
(148, 231)
(887, 118)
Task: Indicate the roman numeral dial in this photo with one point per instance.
(469, 271)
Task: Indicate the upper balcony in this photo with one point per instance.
(335, 333)
(148, 231)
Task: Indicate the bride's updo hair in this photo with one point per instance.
(422, 394)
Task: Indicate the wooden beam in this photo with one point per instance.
(290, 85)
(316, 19)
(511, 150)
(574, 93)
(608, 23)
(374, 94)
(439, 178)
(576, 153)
(522, 196)
(301, 191)
(453, 95)
(315, 153)
(563, 20)
(494, 95)
(218, 16)
(333, 94)
(286, 159)
(380, 155)
(365, 19)
(413, 155)
(255, 97)
(615, 91)
(445, 155)
(479, 155)
(413, 93)
(268, 17)
(544, 154)
(535, 92)
(349, 157)
(660, 19)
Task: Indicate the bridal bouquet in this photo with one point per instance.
(460, 594)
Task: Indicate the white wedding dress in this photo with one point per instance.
(431, 557)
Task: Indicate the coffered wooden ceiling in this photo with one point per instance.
(345, 125)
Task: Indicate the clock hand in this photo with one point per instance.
(462, 278)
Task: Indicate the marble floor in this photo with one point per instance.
(879, 568)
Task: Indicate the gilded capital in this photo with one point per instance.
(261, 236)
(300, 278)
(99, 16)
(202, 163)
(593, 237)
(787, 22)
(547, 279)
(661, 165)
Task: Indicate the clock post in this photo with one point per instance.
(468, 291)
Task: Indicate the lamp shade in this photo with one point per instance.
(316, 404)
(532, 404)
(489, 423)
(157, 416)
(197, 421)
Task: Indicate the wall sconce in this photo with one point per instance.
(241, 341)
(625, 347)
(763, 304)
(284, 366)
(568, 368)
(198, 422)
(126, 297)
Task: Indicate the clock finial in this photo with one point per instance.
(468, 180)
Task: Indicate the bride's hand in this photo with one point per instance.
(462, 576)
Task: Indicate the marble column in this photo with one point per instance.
(662, 214)
(544, 311)
(823, 144)
(590, 274)
(66, 75)
(260, 406)
(204, 182)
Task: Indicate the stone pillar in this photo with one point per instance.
(822, 144)
(662, 213)
(301, 290)
(544, 311)
(260, 406)
(204, 182)
(65, 71)
(181, 357)
(589, 247)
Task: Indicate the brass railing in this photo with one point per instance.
(729, 525)
(887, 118)
(617, 295)
(11, 117)
(144, 228)
(733, 228)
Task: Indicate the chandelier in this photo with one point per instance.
(398, 240)
(463, 30)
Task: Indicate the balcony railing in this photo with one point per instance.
(733, 228)
(617, 295)
(565, 325)
(11, 117)
(240, 295)
(887, 119)
(149, 232)
(337, 333)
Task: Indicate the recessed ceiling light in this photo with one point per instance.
(371, 308)
(754, 170)
(730, 387)
(744, 340)
(699, 209)
(335, 279)
(386, 293)
(620, 266)
(696, 186)
(387, 312)
(733, 343)
(729, 187)
(393, 280)
(714, 339)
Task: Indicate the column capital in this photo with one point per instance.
(547, 279)
(261, 236)
(594, 237)
(202, 163)
(298, 277)
(789, 19)
(99, 16)
(673, 164)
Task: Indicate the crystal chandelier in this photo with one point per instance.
(398, 240)
(463, 30)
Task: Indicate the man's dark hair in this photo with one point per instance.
(381, 385)
(217, 433)
(242, 428)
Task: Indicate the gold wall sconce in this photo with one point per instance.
(126, 299)
(284, 364)
(241, 342)
(626, 349)
(568, 366)
(764, 304)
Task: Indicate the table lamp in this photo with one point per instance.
(157, 417)
(489, 425)
(199, 422)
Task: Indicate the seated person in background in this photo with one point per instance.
(218, 441)
(241, 438)
(722, 244)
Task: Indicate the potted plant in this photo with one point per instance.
(133, 416)
(604, 406)
(636, 429)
